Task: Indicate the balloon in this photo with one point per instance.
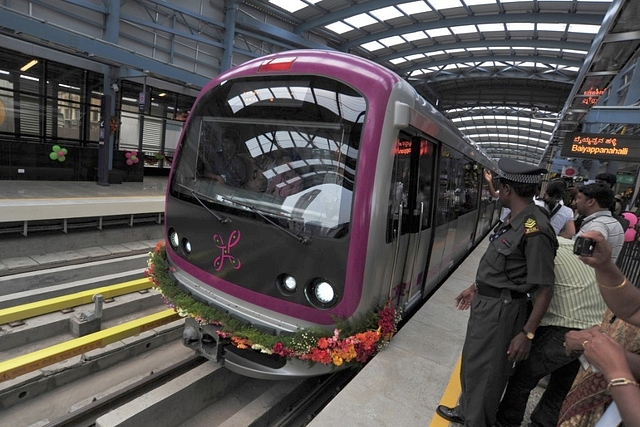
(56, 148)
(630, 235)
(631, 217)
(134, 159)
(61, 153)
(62, 158)
(129, 162)
(64, 151)
(53, 156)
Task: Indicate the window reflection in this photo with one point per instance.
(296, 147)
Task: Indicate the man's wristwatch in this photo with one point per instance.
(529, 335)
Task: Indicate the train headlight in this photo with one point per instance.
(287, 284)
(290, 284)
(174, 239)
(186, 245)
(322, 294)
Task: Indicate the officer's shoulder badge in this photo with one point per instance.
(531, 226)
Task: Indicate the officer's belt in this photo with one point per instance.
(490, 291)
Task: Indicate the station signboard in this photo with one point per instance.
(599, 146)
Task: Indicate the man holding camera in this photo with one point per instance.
(576, 304)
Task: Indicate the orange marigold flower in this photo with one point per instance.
(337, 360)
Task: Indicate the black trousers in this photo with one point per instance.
(547, 356)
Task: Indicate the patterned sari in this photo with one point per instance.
(588, 397)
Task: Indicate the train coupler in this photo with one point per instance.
(204, 339)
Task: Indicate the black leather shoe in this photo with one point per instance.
(449, 414)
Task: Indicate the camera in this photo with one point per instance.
(583, 246)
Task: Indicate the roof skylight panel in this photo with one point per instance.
(478, 2)
(361, 20)
(339, 27)
(445, 4)
(397, 61)
(543, 26)
(491, 27)
(372, 46)
(414, 57)
(584, 28)
(416, 35)
(414, 7)
(392, 41)
(578, 52)
(290, 6)
(520, 26)
(438, 32)
(464, 29)
(386, 13)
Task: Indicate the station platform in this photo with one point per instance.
(418, 370)
(63, 205)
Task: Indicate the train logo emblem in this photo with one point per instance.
(234, 239)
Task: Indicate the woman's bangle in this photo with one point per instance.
(624, 282)
(621, 381)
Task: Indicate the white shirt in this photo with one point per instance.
(610, 228)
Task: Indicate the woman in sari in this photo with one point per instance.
(613, 349)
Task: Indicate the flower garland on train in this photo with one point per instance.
(348, 343)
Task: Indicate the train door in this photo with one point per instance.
(412, 183)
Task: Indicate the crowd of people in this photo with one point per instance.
(539, 310)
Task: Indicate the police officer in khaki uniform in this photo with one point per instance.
(517, 264)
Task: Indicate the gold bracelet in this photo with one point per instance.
(621, 381)
(624, 282)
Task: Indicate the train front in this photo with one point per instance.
(258, 218)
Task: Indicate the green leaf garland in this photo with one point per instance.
(349, 343)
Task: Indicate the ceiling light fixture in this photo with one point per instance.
(28, 65)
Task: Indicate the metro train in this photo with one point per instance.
(309, 189)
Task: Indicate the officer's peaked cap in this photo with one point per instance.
(515, 171)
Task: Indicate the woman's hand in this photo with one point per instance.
(607, 355)
(574, 340)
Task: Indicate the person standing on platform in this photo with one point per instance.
(612, 350)
(504, 212)
(609, 180)
(576, 305)
(518, 262)
(594, 202)
(560, 216)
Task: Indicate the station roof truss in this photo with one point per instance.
(508, 72)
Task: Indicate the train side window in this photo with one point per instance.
(450, 192)
(399, 188)
(425, 181)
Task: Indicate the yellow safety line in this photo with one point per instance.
(39, 308)
(39, 359)
(450, 396)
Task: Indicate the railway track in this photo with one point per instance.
(133, 371)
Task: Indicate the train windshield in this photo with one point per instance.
(285, 147)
